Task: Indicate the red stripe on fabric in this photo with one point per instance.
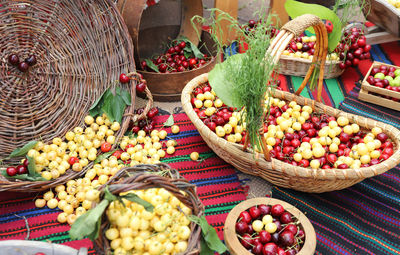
(284, 84)
(349, 78)
(392, 49)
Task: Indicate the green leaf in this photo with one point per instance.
(117, 108)
(222, 85)
(31, 166)
(170, 121)
(197, 53)
(103, 156)
(96, 103)
(187, 52)
(209, 234)
(151, 65)
(126, 96)
(24, 177)
(134, 198)
(205, 250)
(108, 195)
(88, 224)
(18, 152)
(295, 9)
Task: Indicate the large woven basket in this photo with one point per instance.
(143, 177)
(278, 172)
(299, 67)
(81, 48)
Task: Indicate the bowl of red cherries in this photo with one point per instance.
(268, 226)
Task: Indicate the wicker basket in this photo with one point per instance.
(232, 241)
(141, 177)
(77, 60)
(300, 66)
(278, 172)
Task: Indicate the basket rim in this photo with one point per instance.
(308, 61)
(310, 242)
(288, 169)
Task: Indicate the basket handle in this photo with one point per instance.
(129, 114)
(293, 29)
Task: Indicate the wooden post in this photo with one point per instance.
(231, 7)
(278, 7)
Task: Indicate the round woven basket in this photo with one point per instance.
(278, 172)
(299, 67)
(143, 177)
(77, 60)
(233, 243)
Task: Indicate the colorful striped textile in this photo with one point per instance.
(218, 187)
(365, 218)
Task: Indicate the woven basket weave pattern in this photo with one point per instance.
(81, 48)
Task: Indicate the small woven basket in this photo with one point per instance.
(77, 60)
(299, 67)
(142, 177)
(278, 172)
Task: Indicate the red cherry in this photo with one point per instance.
(304, 163)
(277, 210)
(264, 209)
(13, 59)
(123, 78)
(342, 166)
(73, 160)
(135, 129)
(246, 241)
(255, 212)
(382, 137)
(286, 238)
(25, 163)
(241, 227)
(106, 147)
(182, 45)
(388, 151)
(281, 251)
(141, 87)
(192, 62)
(11, 171)
(332, 158)
(257, 249)
(23, 66)
(245, 216)
(265, 237)
(212, 126)
(270, 249)
(117, 154)
(286, 218)
(22, 169)
(292, 228)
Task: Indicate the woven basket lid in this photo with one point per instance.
(81, 46)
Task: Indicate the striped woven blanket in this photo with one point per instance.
(217, 184)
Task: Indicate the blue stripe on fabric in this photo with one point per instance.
(208, 181)
(378, 55)
(27, 213)
(363, 113)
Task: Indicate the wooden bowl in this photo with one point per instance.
(233, 243)
(168, 86)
